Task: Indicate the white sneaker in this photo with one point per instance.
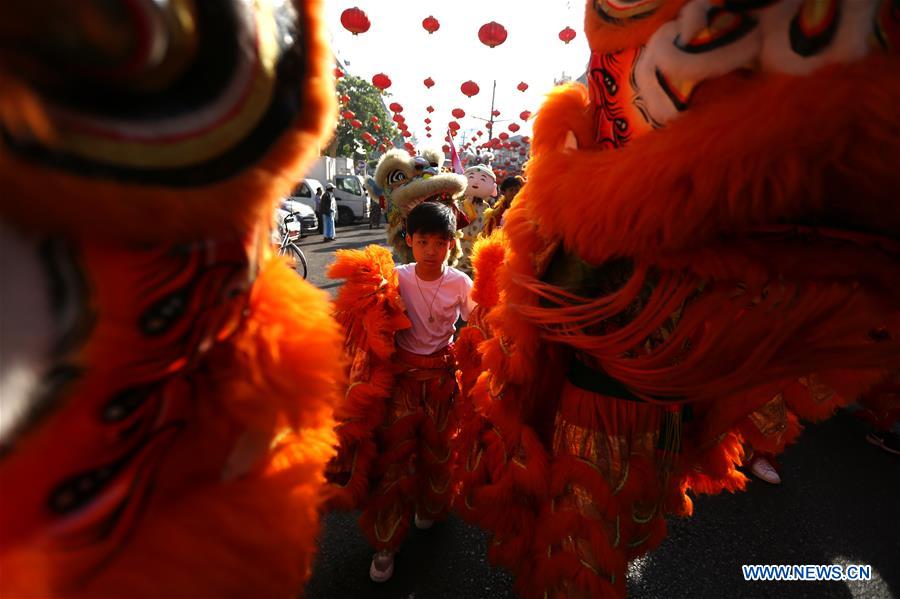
(763, 470)
(382, 567)
(423, 523)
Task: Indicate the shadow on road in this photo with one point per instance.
(839, 504)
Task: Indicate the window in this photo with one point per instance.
(302, 191)
(349, 184)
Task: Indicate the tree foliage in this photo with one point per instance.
(365, 102)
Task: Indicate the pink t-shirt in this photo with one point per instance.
(452, 299)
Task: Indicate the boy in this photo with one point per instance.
(403, 461)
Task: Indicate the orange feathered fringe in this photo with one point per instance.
(197, 532)
(371, 311)
(697, 231)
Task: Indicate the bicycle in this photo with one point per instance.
(290, 232)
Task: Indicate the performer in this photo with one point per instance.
(494, 217)
(481, 186)
(404, 181)
(166, 384)
(397, 421)
(671, 266)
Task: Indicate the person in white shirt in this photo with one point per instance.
(413, 460)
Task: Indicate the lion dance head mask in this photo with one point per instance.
(711, 223)
(165, 409)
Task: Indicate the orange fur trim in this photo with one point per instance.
(197, 530)
(605, 35)
(654, 195)
(371, 311)
(487, 256)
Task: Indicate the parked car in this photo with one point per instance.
(305, 192)
(352, 199)
(309, 223)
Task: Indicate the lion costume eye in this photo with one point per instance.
(396, 177)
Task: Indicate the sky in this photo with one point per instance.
(397, 45)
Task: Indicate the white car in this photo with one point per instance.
(305, 193)
(303, 223)
(352, 199)
(350, 195)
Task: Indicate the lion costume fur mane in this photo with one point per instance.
(169, 434)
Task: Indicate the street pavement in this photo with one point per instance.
(839, 503)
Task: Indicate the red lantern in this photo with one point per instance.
(496, 113)
(355, 123)
(567, 34)
(430, 24)
(395, 107)
(522, 151)
(398, 118)
(513, 127)
(355, 21)
(338, 73)
(492, 34)
(377, 127)
(382, 147)
(429, 108)
(522, 86)
(429, 82)
(525, 115)
(428, 135)
(453, 125)
(374, 119)
(427, 121)
(504, 136)
(381, 81)
(458, 113)
(348, 114)
(445, 148)
(479, 133)
(428, 127)
(474, 138)
(526, 139)
(406, 134)
(469, 88)
(345, 98)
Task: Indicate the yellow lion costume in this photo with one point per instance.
(714, 223)
(166, 383)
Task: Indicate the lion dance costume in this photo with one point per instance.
(397, 418)
(166, 411)
(714, 223)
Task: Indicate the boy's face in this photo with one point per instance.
(430, 249)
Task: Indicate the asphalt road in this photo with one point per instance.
(839, 504)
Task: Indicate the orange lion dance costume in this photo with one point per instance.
(713, 224)
(166, 412)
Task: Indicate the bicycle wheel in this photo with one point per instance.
(296, 259)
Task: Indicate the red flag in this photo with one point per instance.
(454, 157)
